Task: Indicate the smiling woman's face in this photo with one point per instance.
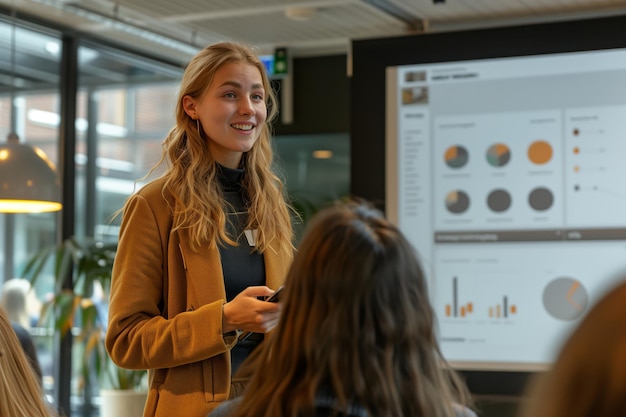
(231, 111)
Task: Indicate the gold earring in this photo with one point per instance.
(198, 127)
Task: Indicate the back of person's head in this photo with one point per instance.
(356, 318)
(20, 392)
(588, 378)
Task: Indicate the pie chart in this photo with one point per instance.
(457, 202)
(499, 200)
(540, 199)
(456, 156)
(498, 155)
(565, 298)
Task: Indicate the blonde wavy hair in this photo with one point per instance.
(356, 321)
(20, 392)
(191, 174)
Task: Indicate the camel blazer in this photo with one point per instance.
(165, 311)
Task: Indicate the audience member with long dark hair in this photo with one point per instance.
(356, 334)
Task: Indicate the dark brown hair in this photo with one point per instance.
(356, 320)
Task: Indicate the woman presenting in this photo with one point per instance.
(199, 246)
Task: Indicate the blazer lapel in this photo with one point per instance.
(276, 267)
(205, 278)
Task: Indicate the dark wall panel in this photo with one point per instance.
(321, 98)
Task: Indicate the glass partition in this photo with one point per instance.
(29, 90)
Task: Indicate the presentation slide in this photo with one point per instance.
(509, 177)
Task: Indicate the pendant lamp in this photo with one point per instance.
(28, 179)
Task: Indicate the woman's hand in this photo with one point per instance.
(247, 312)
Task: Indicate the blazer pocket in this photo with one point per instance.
(217, 381)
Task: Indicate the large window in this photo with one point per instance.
(26, 92)
(126, 108)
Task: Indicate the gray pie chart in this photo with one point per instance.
(565, 298)
(499, 200)
(541, 199)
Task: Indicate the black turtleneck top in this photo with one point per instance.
(242, 266)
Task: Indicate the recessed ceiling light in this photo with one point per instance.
(322, 154)
(300, 13)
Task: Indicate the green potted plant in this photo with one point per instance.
(75, 307)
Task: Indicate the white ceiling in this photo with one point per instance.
(175, 28)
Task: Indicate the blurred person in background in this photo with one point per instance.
(21, 305)
(20, 302)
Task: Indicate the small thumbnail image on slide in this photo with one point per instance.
(415, 95)
(414, 76)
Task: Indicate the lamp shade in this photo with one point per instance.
(28, 179)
